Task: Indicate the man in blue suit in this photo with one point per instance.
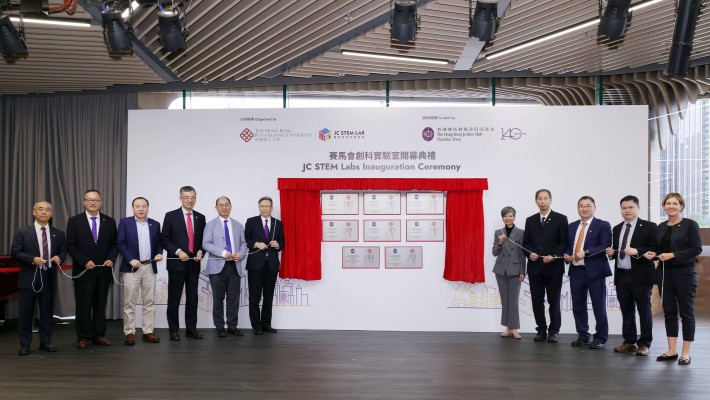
(265, 235)
(588, 240)
(139, 244)
(39, 248)
(225, 243)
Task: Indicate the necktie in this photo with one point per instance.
(227, 239)
(94, 231)
(45, 246)
(542, 221)
(580, 239)
(190, 234)
(624, 241)
(266, 229)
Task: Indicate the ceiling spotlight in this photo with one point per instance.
(172, 36)
(613, 22)
(11, 41)
(484, 22)
(116, 33)
(404, 21)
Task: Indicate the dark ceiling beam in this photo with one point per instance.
(139, 48)
(335, 42)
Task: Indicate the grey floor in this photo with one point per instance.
(308, 364)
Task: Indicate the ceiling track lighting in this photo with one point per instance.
(118, 32)
(483, 20)
(404, 21)
(12, 41)
(172, 35)
(612, 23)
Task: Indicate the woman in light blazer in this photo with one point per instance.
(509, 270)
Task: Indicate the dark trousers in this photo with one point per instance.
(552, 285)
(227, 282)
(679, 285)
(187, 278)
(91, 296)
(632, 296)
(582, 286)
(26, 311)
(261, 281)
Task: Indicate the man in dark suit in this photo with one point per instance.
(264, 235)
(39, 248)
(633, 276)
(139, 244)
(91, 242)
(182, 237)
(546, 239)
(588, 240)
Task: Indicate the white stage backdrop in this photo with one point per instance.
(573, 151)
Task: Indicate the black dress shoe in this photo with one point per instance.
(684, 361)
(596, 345)
(552, 338)
(666, 357)
(221, 333)
(48, 348)
(193, 334)
(24, 351)
(174, 337)
(580, 342)
(540, 337)
(234, 332)
(269, 329)
(258, 331)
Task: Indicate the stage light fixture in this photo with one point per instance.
(484, 22)
(685, 21)
(172, 36)
(116, 33)
(11, 41)
(612, 23)
(404, 21)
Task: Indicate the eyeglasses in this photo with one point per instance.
(188, 197)
(92, 200)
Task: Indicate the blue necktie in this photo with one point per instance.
(94, 230)
(227, 239)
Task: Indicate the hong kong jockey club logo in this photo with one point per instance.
(325, 134)
(246, 135)
(428, 134)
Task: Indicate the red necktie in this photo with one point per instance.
(190, 234)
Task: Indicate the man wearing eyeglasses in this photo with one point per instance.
(182, 239)
(265, 238)
(39, 248)
(91, 242)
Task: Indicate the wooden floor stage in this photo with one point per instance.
(307, 364)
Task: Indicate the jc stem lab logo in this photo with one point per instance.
(325, 134)
(511, 134)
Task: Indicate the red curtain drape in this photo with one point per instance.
(300, 212)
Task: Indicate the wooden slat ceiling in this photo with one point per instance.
(237, 41)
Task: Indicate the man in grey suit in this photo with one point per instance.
(224, 241)
(509, 270)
